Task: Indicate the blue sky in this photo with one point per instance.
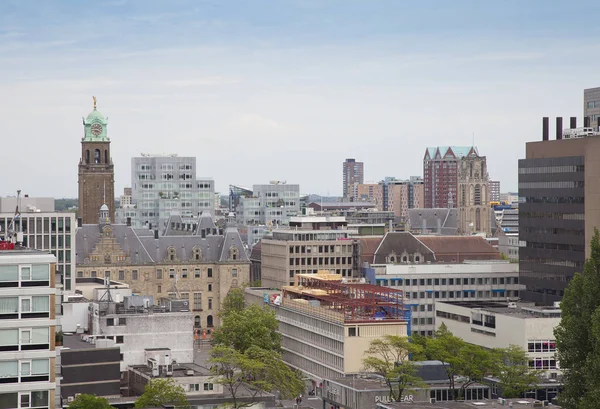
(261, 90)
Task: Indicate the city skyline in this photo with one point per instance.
(265, 85)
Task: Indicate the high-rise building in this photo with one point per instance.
(440, 174)
(165, 185)
(558, 210)
(473, 204)
(494, 188)
(401, 195)
(591, 106)
(270, 204)
(353, 175)
(370, 192)
(28, 333)
(96, 170)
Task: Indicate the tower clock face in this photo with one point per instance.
(96, 129)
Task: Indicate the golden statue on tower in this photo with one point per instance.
(94, 98)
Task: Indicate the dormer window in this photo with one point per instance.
(234, 253)
(197, 254)
(171, 254)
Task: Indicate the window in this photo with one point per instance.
(159, 288)
(107, 274)
(196, 273)
(93, 274)
(121, 275)
(210, 303)
(208, 386)
(210, 288)
(122, 321)
(119, 339)
(110, 322)
(197, 301)
(172, 273)
(159, 275)
(134, 274)
(209, 272)
(80, 274)
(234, 272)
(184, 273)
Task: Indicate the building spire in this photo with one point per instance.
(94, 98)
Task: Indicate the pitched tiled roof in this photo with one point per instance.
(368, 246)
(459, 248)
(398, 243)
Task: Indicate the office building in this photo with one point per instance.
(494, 188)
(198, 262)
(310, 244)
(235, 193)
(45, 229)
(430, 269)
(165, 185)
(353, 174)
(591, 106)
(127, 209)
(270, 204)
(401, 195)
(440, 174)
(28, 333)
(369, 192)
(328, 322)
(502, 324)
(558, 210)
(474, 214)
(96, 169)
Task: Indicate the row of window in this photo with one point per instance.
(158, 274)
(543, 363)
(319, 261)
(344, 272)
(555, 246)
(40, 225)
(24, 370)
(556, 199)
(195, 387)
(551, 169)
(552, 215)
(552, 230)
(455, 281)
(24, 339)
(22, 400)
(24, 307)
(571, 184)
(461, 294)
(541, 346)
(321, 249)
(28, 275)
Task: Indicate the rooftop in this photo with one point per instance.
(179, 370)
(493, 403)
(519, 309)
(74, 342)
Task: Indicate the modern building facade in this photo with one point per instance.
(353, 174)
(369, 192)
(165, 185)
(558, 211)
(473, 201)
(401, 195)
(494, 190)
(197, 262)
(270, 204)
(440, 174)
(591, 106)
(96, 169)
(309, 245)
(27, 335)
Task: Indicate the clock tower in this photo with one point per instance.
(96, 170)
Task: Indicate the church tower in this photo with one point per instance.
(96, 170)
(473, 201)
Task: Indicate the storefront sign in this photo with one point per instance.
(388, 399)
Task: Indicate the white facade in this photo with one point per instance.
(509, 245)
(527, 326)
(50, 231)
(426, 284)
(135, 332)
(27, 329)
(271, 204)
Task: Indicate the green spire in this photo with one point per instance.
(95, 126)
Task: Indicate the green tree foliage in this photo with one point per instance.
(475, 362)
(513, 371)
(389, 357)
(252, 326)
(578, 335)
(161, 391)
(234, 302)
(447, 348)
(251, 373)
(85, 401)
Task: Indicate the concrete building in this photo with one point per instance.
(27, 336)
(165, 185)
(44, 229)
(473, 200)
(558, 212)
(270, 205)
(510, 197)
(369, 192)
(310, 244)
(429, 269)
(353, 174)
(509, 246)
(200, 263)
(494, 188)
(96, 170)
(401, 195)
(501, 324)
(127, 209)
(328, 322)
(591, 106)
(235, 193)
(440, 174)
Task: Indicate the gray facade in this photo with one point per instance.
(165, 185)
(271, 204)
(591, 105)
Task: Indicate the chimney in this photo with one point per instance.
(439, 226)
(80, 220)
(129, 221)
(573, 123)
(424, 226)
(156, 234)
(586, 121)
(545, 123)
(559, 128)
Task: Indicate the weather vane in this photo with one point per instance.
(94, 98)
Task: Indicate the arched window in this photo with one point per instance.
(87, 156)
(197, 323)
(97, 156)
(209, 321)
(478, 195)
(171, 254)
(478, 220)
(405, 259)
(417, 259)
(105, 155)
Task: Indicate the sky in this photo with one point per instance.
(286, 90)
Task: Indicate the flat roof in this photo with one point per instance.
(520, 309)
(179, 370)
(374, 384)
(491, 403)
(74, 342)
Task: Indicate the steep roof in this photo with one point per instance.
(396, 244)
(368, 246)
(448, 220)
(255, 254)
(233, 240)
(459, 248)
(451, 151)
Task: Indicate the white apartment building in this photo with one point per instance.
(44, 229)
(426, 284)
(501, 324)
(27, 329)
(270, 204)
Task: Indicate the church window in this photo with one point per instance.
(97, 156)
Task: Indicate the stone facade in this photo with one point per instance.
(473, 201)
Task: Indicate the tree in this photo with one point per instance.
(577, 335)
(447, 348)
(251, 326)
(474, 363)
(389, 357)
(85, 401)
(234, 301)
(513, 371)
(161, 391)
(254, 371)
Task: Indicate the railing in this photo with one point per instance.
(320, 312)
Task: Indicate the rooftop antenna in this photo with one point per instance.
(106, 297)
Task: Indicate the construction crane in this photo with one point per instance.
(12, 237)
